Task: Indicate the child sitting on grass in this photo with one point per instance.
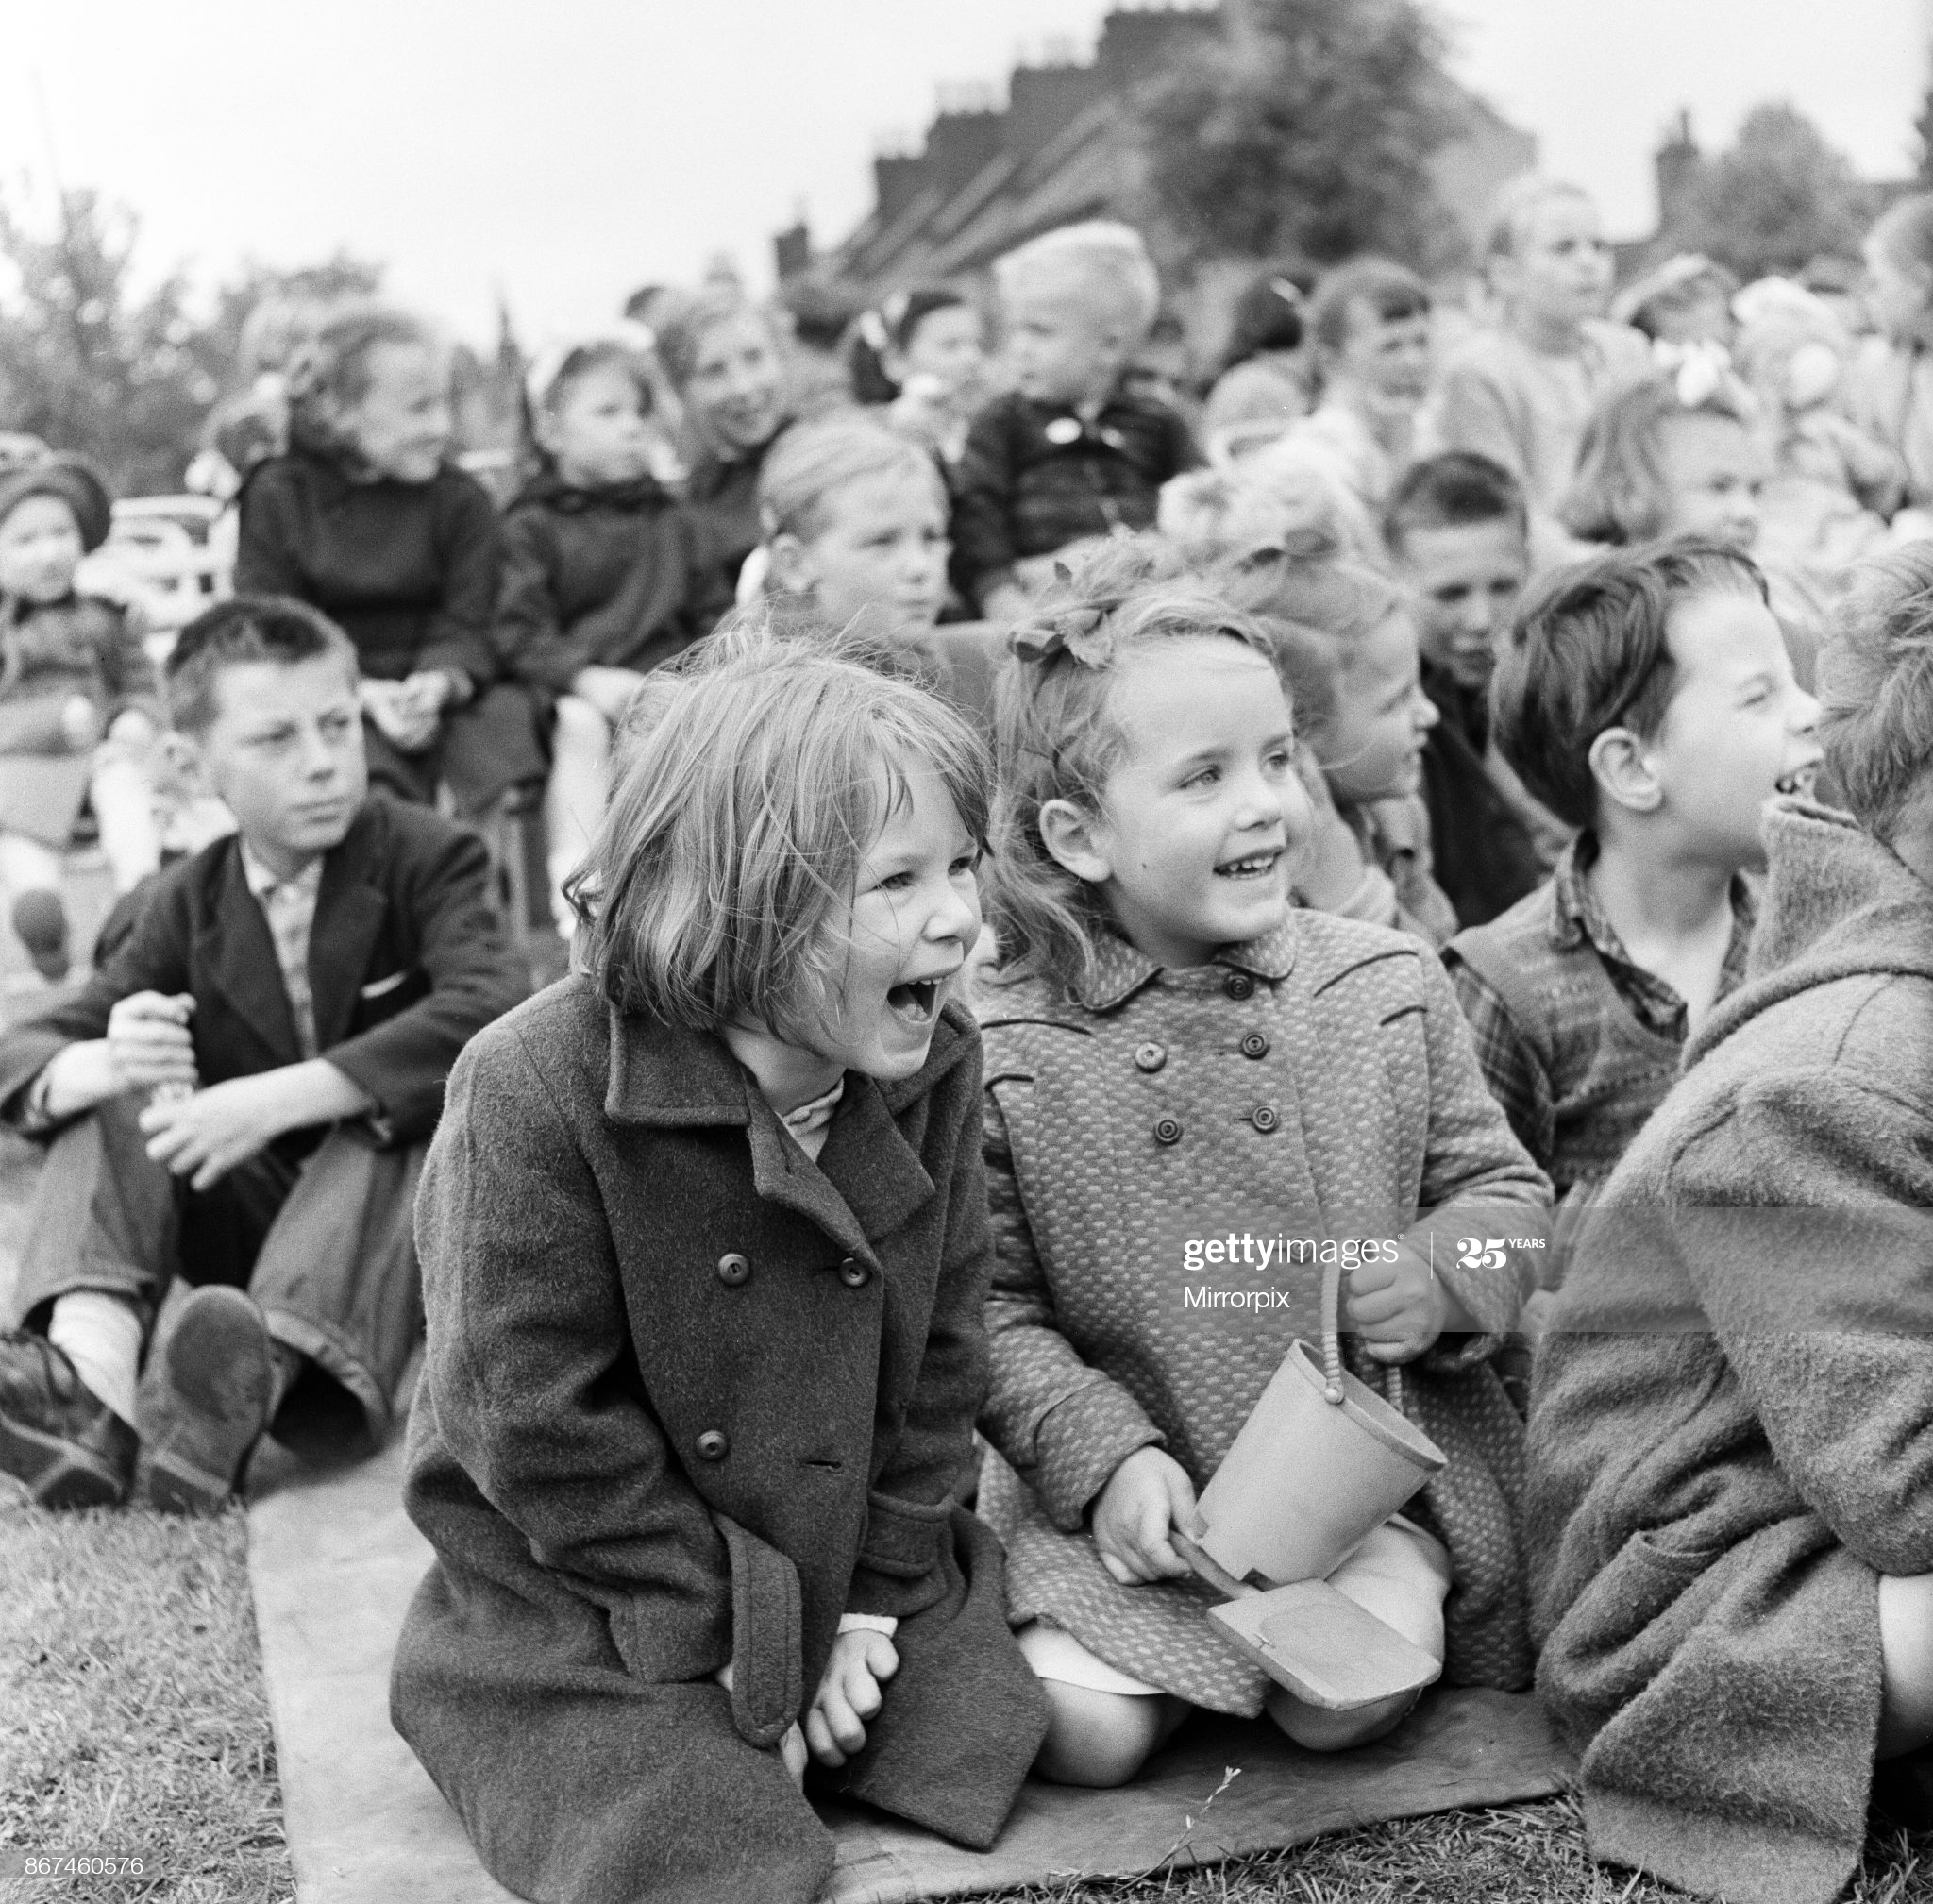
(604, 576)
(242, 1095)
(366, 520)
(1646, 698)
(1068, 454)
(1520, 393)
(1172, 1049)
(705, 1253)
(1731, 1468)
(79, 710)
(1459, 536)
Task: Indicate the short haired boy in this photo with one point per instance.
(1458, 535)
(1646, 698)
(243, 1096)
(1069, 452)
(1520, 392)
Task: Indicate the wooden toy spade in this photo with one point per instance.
(1322, 1461)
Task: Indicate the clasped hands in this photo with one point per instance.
(1399, 1307)
(849, 1693)
(409, 712)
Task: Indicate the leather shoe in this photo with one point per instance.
(211, 1405)
(56, 1435)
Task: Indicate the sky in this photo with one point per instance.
(566, 151)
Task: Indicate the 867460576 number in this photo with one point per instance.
(85, 1865)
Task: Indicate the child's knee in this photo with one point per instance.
(1316, 1730)
(1099, 1739)
(1402, 1575)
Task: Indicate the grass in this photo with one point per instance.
(134, 1721)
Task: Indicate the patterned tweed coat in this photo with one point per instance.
(1315, 1083)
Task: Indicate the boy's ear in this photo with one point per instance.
(1077, 841)
(1621, 767)
(793, 568)
(185, 760)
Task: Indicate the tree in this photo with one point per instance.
(1779, 196)
(87, 364)
(1305, 128)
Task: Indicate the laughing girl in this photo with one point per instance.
(705, 1251)
(1178, 1053)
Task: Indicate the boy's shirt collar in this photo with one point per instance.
(1577, 917)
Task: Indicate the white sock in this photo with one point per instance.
(100, 1334)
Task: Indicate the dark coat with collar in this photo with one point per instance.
(1731, 1421)
(1035, 477)
(407, 962)
(408, 571)
(689, 1397)
(601, 577)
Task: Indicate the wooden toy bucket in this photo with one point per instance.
(1321, 1462)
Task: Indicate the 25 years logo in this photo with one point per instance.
(1487, 1253)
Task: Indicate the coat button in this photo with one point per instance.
(1167, 1131)
(714, 1445)
(1239, 986)
(1255, 1045)
(855, 1273)
(1149, 1057)
(733, 1270)
(1266, 1118)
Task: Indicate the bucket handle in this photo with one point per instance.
(1332, 1345)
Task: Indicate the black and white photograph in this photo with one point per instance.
(966, 952)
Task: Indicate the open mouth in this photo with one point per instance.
(917, 1001)
(1256, 866)
(1799, 781)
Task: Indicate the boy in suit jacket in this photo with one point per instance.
(242, 1095)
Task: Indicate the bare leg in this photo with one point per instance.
(1401, 1575)
(1103, 1739)
(123, 804)
(574, 801)
(1906, 1652)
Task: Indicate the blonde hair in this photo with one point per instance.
(1518, 203)
(753, 776)
(1876, 686)
(812, 462)
(1109, 258)
(1618, 493)
(1058, 737)
(681, 321)
(328, 374)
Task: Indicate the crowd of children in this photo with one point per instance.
(1069, 845)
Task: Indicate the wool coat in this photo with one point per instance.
(599, 577)
(690, 1397)
(407, 961)
(1731, 1426)
(1315, 1083)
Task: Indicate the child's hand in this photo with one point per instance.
(399, 714)
(148, 1041)
(1401, 1308)
(1149, 1494)
(80, 725)
(849, 1695)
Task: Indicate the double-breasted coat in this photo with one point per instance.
(689, 1397)
(1316, 1084)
